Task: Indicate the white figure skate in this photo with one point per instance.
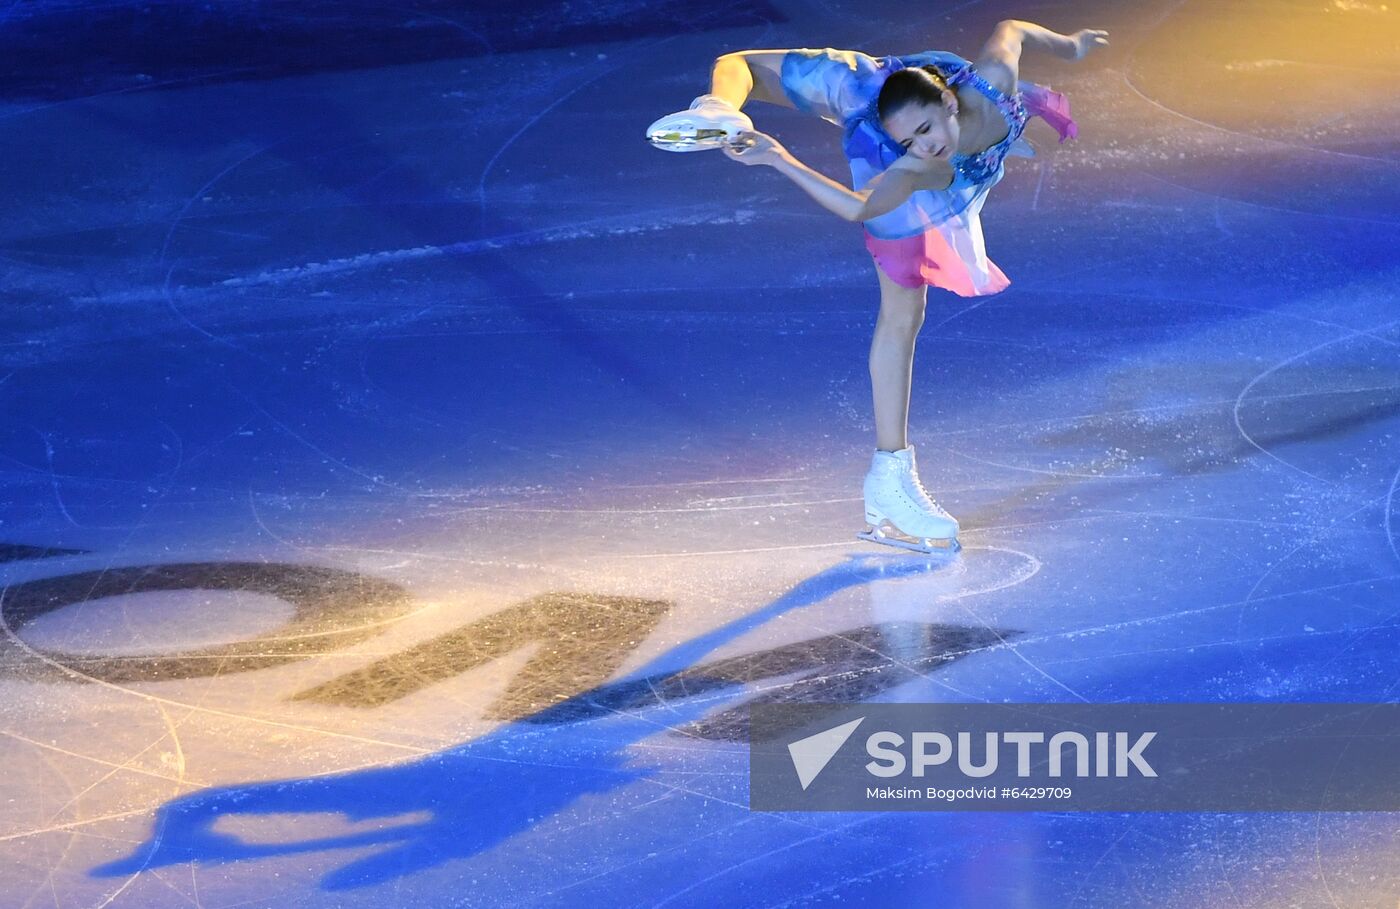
(894, 495)
(711, 122)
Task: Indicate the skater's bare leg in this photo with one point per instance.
(732, 80)
(754, 75)
(892, 360)
(716, 119)
(893, 493)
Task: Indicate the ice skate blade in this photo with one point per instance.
(688, 141)
(927, 545)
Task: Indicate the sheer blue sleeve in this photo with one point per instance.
(836, 85)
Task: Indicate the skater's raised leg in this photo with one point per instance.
(717, 117)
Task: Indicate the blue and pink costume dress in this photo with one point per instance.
(936, 237)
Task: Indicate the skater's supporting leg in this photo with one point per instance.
(893, 494)
(892, 360)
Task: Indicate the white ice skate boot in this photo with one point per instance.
(894, 495)
(710, 123)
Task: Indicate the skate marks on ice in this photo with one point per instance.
(1337, 79)
(1387, 408)
(1388, 521)
(468, 799)
(1161, 424)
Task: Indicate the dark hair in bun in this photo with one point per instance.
(921, 84)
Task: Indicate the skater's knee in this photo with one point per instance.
(900, 320)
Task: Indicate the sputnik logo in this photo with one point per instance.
(811, 755)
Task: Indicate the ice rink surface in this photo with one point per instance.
(410, 476)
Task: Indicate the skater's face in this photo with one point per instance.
(926, 130)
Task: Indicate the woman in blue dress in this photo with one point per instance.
(926, 135)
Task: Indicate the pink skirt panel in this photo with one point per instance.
(928, 259)
(1050, 106)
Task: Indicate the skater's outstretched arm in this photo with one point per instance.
(1000, 59)
(882, 194)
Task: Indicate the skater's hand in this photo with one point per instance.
(1086, 40)
(753, 147)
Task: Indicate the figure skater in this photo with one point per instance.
(926, 135)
